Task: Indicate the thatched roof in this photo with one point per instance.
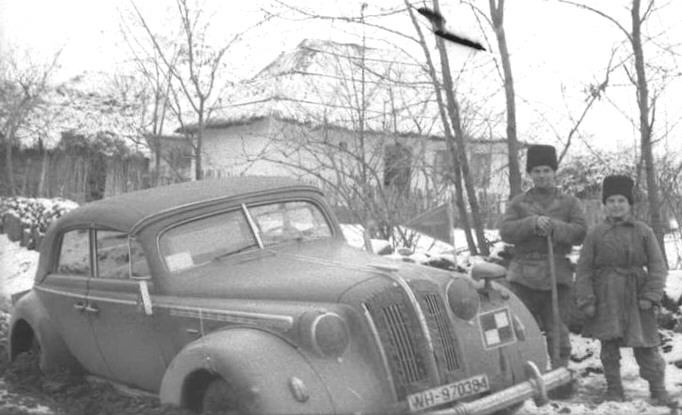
(320, 82)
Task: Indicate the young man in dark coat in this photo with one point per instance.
(528, 220)
(619, 283)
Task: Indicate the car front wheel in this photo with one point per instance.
(224, 398)
(37, 354)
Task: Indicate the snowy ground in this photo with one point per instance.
(17, 266)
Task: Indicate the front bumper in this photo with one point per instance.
(535, 387)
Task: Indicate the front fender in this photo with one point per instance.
(30, 318)
(256, 361)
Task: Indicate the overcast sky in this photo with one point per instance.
(552, 46)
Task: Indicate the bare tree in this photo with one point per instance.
(670, 183)
(497, 17)
(188, 72)
(157, 78)
(377, 192)
(23, 85)
(451, 119)
(641, 80)
(448, 106)
(352, 144)
(496, 22)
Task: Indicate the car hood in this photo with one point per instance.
(315, 271)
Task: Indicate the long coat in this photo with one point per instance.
(530, 265)
(621, 263)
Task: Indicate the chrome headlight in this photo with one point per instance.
(463, 298)
(326, 333)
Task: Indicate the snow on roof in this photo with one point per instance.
(320, 82)
(86, 104)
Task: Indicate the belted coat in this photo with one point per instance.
(530, 264)
(621, 263)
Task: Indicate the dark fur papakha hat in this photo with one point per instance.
(617, 185)
(541, 155)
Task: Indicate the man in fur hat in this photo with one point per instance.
(529, 219)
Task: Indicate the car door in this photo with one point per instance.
(127, 335)
(64, 294)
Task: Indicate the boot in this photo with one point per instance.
(614, 385)
(610, 360)
(614, 392)
(660, 396)
(562, 392)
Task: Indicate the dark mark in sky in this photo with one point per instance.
(438, 20)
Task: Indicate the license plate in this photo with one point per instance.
(448, 393)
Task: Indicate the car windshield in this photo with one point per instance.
(204, 239)
(213, 237)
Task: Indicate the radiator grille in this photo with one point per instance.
(403, 343)
(441, 331)
(401, 338)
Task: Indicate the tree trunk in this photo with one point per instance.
(645, 128)
(8, 165)
(44, 169)
(9, 157)
(460, 146)
(497, 15)
(459, 192)
(198, 165)
(25, 186)
(456, 176)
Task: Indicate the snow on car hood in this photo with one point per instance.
(316, 271)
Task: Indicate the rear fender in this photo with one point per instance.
(30, 320)
(265, 367)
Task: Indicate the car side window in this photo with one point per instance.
(74, 256)
(140, 266)
(117, 254)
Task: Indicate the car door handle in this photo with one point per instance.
(91, 309)
(79, 306)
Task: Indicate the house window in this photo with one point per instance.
(397, 166)
(441, 166)
(481, 169)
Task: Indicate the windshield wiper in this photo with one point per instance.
(242, 249)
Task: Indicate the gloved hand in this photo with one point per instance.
(544, 226)
(645, 305)
(590, 311)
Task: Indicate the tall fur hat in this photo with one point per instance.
(617, 185)
(541, 155)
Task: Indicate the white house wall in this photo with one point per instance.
(238, 150)
(268, 146)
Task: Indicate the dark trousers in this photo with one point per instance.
(650, 362)
(539, 302)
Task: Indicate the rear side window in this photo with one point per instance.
(74, 256)
(115, 251)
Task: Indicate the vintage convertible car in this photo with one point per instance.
(242, 295)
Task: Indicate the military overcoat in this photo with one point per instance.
(530, 265)
(621, 263)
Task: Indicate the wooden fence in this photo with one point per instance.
(57, 173)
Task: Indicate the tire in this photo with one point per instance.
(37, 353)
(222, 398)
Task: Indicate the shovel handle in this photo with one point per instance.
(555, 301)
